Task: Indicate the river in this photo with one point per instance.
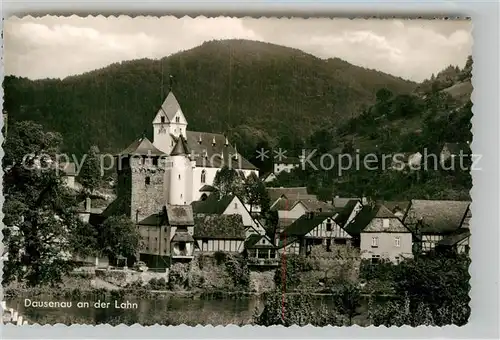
(166, 310)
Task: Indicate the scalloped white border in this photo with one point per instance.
(485, 192)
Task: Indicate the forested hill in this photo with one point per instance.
(252, 90)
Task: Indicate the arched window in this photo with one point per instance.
(203, 176)
(148, 180)
(179, 176)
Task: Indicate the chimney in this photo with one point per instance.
(226, 143)
(199, 139)
(213, 141)
(88, 202)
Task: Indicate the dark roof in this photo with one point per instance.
(285, 222)
(180, 147)
(361, 220)
(455, 237)
(291, 193)
(219, 227)
(170, 106)
(252, 240)
(209, 155)
(119, 206)
(436, 216)
(142, 147)
(212, 205)
(96, 219)
(178, 215)
(345, 212)
(306, 223)
(365, 216)
(316, 205)
(285, 241)
(153, 220)
(208, 188)
(340, 202)
(182, 236)
(394, 206)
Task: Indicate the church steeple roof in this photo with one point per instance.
(143, 147)
(180, 147)
(170, 106)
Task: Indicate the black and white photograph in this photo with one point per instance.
(237, 171)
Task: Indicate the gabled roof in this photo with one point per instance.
(219, 227)
(345, 212)
(153, 220)
(182, 236)
(179, 215)
(142, 147)
(340, 202)
(180, 147)
(436, 216)
(306, 223)
(291, 193)
(212, 205)
(210, 155)
(252, 242)
(316, 205)
(455, 237)
(366, 215)
(170, 106)
(395, 206)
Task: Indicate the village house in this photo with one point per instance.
(286, 164)
(229, 205)
(432, 221)
(313, 229)
(261, 251)
(341, 202)
(268, 177)
(167, 236)
(382, 235)
(219, 233)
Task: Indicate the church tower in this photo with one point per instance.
(168, 124)
(180, 174)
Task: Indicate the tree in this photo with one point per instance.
(256, 194)
(228, 181)
(90, 173)
(39, 210)
(348, 299)
(118, 236)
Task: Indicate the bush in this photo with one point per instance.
(383, 270)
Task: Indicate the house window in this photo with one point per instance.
(272, 254)
(204, 244)
(397, 259)
(375, 259)
(397, 241)
(147, 248)
(163, 119)
(374, 242)
(165, 229)
(235, 205)
(179, 176)
(329, 225)
(148, 180)
(182, 246)
(203, 176)
(171, 143)
(155, 161)
(177, 119)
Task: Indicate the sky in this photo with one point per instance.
(56, 47)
